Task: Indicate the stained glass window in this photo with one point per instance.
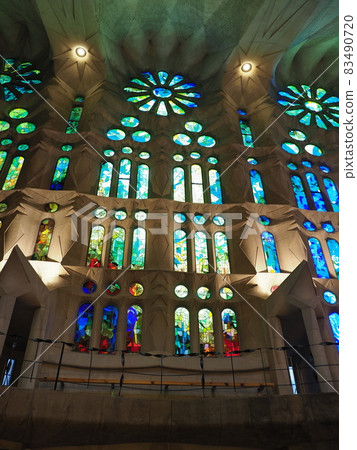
(84, 327)
(43, 241)
(109, 330)
(13, 173)
(179, 184)
(205, 330)
(60, 174)
(318, 258)
(142, 183)
(257, 187)
(180, 251)
(332, 193)
(95, 247)
(334, 319)
(182, 331)
(116, 255)
(124, 178)
(315, 192)
(16, 79)
(246, 133)
(201, 252)
(74, 119)
(134, 325)
(197, 184)
(230, 331)
(3, 156)
(270, 254)
(221, 249)
(138, 249)
(215, 187)
(334, 253)
(300, 196)
(105, 179)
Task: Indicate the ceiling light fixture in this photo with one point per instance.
(80, 51)
(246, 67)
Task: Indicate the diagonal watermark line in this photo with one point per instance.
(61, 334)
(274, 329)
(60, 115)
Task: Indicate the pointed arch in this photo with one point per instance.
(197, 184)
(179, 184)
(299, 192)
(134, 325)
(182, 331)
(206, 331)
(333, 248)
(315, 192)
(124, 178)
(105, 179)
(180, 251)
(108, 330)
(332, 193)
(257, 187)
(95, 247)
(221, 250)
(215, 187)
(230, 331)
(60, 174)
(84, 326)
(43, 241)
(142, 182)
(138, 249)
(318, 258)
(201, 252)
(116, 255)
(270, 253)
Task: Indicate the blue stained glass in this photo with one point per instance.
(147, 105)
(332, 193)
(182, 331)
(116, 256)
(150, 77)
(293, 112)
(134, 324)
(334, 253)
(309, 226)
(270, 254)
(138, 249)
(330, 297)
(201, 252)
(290, 148)
(60, 174)
(215, 187)
(306, 163)
(162, 92)
(294, 89)
(291, 166)
(142, 186)
(179, 184)
(176, 79)
(327, 226)
(221, 249)
(315, 192)
(84, 327)
(299, 192)
(162, 76)
(331, 100)
(331, 120)
(285, 94)
(124, 178)
(320, 93)
(206, 141)
(306, 119)
(180, 251)
(186, 102)
(334, 319)
(185, 86)
(320, 123)
(181, 139)
(115, 134)
(141, 136)
(206, 331)
(246, 133)
(130, 122)
(109, 330)
(313, 150)
(318, 258)
(105, 179)
(257, 187)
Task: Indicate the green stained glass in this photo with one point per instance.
(181, 291)
(313, 106)
(290, 148)
(3, 207)
(147, 105)
(294, 89)
(115, 134)
(287, 95)
(6, 142)
(134, 326)
(246, 133)
(318, 258)
(127, 150)
(333, 247)
(130, 122)
(131, 89)
(178, 157)
(138, 249)
(215, 187)
(257, 187)
(293, 112)
(320, 123)
(3, 156)
(331, 120)
(120, 215)
(203, 292)
(307, 90)
(100, 213)
(137, 98)
(175, 108)
(218, 220)
(226, 293)
(186, 102)
(113, 289)
(181, 139)
(313, 150)
(320, 93)
(144, 155)
(79, 99)
(201, 252)
(116, 255)
(264, 220)
(182, 331)
(108, 152)
(270, 254)
(95, 247)
(60, 174)
(332, 193)
(206, 141)
(124, 179)
(221, 249)
(52, 207)
(197, 184)
(43, 241)
(105, 179)
(297, 135)
(66, 147)
(18, 113)
(74, 119)
(141, 136)
(306, 119)
(194, 127)
(13, 173)
(180, 251)
(206, 331)
(291, 166)
(4, 125)
(140, 82)
(195, 155)
(212, 160)
(108, 330)
(230, 331)
(142, 186)
(179, 184)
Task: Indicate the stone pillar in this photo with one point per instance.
(7, 303)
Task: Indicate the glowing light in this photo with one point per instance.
(80, 52)
(246, 67)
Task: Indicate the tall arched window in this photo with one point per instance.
(179, 184)
(334, 319)
(142, 182)
(124, 178)
(43, 241)
(197, 184)
(246, 133)
(13, 173)
(95, 247)
(138, 249)
(105, 179)
(74, 119)
(201, 252)
(257, 187)
(205, 330)
(180, 251)
(299, 191)
(318, 258)
(116, 256)
(84, 327)
(109, 330)
(315, 192)
(221, 249)
(60, 174)
(3, 156)
(134, 325)
(215, 187)
(182, 331)
(332, 193)
(270, 254)
(334, 253)
(230, 331)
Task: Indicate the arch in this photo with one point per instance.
(108, 330)
(124, 178)
(215, 187)
(95, 247)
(206, 330)
(318, 258)
(142, 182)
(60, 174)
(270, 253)
(246, 133)
(230, 331)
(138, 249)
(197, 184)
(201, 252)
(299, 192)
(43, 241)
(333, 248)
(257, 187)
(315, 192)
(180, 251)
(116, 255)
(105, 179)
(84, 327)
(182, 331)
(334, 320)
(179, 184)
(74, 119)
(332, 193)
(13, 173)
(134, 324)
(221, 250)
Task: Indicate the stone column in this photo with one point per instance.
(7, 303)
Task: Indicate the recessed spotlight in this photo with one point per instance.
(246, 67)
(81, 52)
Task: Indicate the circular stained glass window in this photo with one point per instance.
(136, 289)
(226, 293)
(264, 220)
(108, 152)
(100, 213)
(212, 160)
(327, 226)
(18, 113)
(25, 128)
(290, 148)
(195, 127)
(23, 147)
(6, 142)
(313, 150)
(306, 163)
(324, 168)
(309, 225)
(144, 155)
(4, 125)
(178, 157)
(199, 219)
(141, 136)
(181, 291)
(89, 287)
(66, 147)
(127, 150)
(115, 134)
(181, 139)
(3, 207)
(330, 297)
(120, 215)
(130, 122)
(206, 141)
(297, 135)
(179, 218)
(51, 207)
(291, 166)
(252, 161)
(140, 216)
(218, 220)
(195, 155)
(113, 289)
(203, 292)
